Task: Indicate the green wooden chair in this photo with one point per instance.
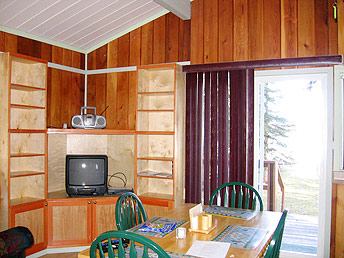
(275, 244)
(239, 194)
(129, 211)
(146, 245)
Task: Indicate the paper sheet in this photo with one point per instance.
(209, 249)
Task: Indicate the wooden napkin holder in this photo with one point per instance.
(204, 222)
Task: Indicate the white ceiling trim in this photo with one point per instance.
(181, 8)
(44, 40)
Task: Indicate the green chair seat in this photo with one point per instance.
(146, 244)
(129, 211)
(237, 195)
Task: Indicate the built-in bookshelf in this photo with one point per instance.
(160, 125)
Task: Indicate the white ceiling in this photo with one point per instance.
(80, 25)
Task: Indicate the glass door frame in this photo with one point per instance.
(325, 191)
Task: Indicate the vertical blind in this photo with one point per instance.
(219, 131)
(220, 121)
(207, 135)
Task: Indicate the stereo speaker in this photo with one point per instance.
(88, 121)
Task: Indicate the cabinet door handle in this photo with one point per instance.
(45, 204)
(89, 202)
(95, 202)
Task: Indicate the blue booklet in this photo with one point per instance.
(157, 226)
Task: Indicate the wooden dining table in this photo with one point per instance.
(266, 220)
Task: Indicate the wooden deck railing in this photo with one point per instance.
(271, 181)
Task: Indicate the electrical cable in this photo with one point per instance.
(116, 176)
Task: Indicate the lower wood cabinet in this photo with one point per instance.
(34, 217)
(103, 214)
(77, 221)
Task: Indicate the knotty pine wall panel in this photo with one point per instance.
(147, 44)
(306, 29)
(159, 40)
(225, 44)
(96, 84)
(172, 38)
(321, 28)
(240, 32)
(263, 29)
(197, 33)
(288, 28)
(333, 30)
(271, 29)
(166, 39)
(211, 32)
(184, 39)
(255, 29)
(64, 89)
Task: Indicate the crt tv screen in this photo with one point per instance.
(86, 174)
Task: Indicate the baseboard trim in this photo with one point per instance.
(58, 250)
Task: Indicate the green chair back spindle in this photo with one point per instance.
(144, 242)
(129, 211)
(275, 244)
(242, 196)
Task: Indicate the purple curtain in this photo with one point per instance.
(219, 131)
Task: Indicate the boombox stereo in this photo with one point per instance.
(88, 121)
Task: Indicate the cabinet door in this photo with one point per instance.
(34, 217)
(104, 217)
(69, 222)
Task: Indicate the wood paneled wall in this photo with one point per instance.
(65, 89)
(66, 92)
(219, 31)
(233, 30)
(164, 40)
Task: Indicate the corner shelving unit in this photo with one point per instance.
(159, 127)
(23, 141)
(27, 130)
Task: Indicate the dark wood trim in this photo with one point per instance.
(267, 63)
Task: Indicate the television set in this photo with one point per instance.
(86, 174)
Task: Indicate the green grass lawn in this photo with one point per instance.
(301, 194)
